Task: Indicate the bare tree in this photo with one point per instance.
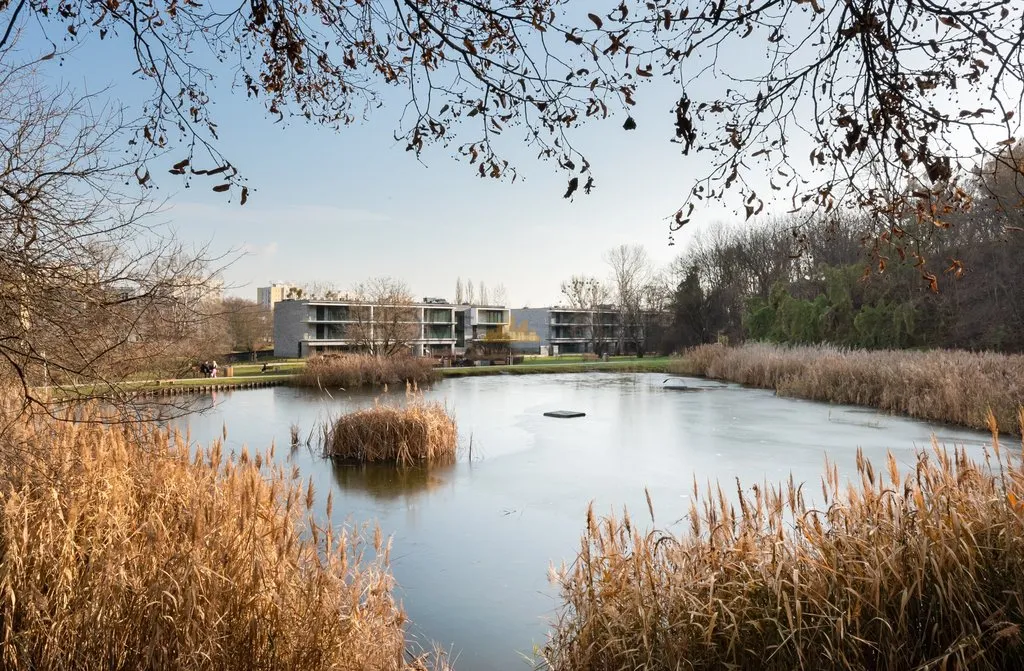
(459, 295)
(631, 271)
(321, 290)
(385, 320)
(470, 292)
(250, 325)
(484, 296)
(91, 293)
(500, 295)
(598, 320)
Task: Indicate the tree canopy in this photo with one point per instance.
(878, 106)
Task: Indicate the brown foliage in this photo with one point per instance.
(125, 548)
(351, 371)
(949, 386)
(418, 433)
(892, 572)
(883, 93)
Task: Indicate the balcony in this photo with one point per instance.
(438, 316)
(492, 317)
(439, 333)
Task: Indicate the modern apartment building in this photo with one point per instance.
(560, 330)
(567, 331)
(272, 295)
(432, 328)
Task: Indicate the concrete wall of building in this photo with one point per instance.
(290, 327)
(537, 320)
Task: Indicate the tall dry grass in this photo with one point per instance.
(421, 432)
(351, 371)
(951, 386)
(924, 571)
(123, 549)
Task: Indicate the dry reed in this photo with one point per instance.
(924, 571)
(351, 371)
(124, 548)
(421, 432)
(951, 386)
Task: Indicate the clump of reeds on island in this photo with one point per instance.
(916, 571)
(420, 432)
(951, 386)
(126, 548)
(351, 371)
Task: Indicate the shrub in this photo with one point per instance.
(921, 571)
(124, 548)
(420, 433)
(951, 386)
(351, 371)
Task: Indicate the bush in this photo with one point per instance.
(419, 433)
(351, 371)
(951, 386)
(924, 571)
(124, 549)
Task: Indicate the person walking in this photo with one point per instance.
(213, 369)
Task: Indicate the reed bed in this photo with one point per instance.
(124, 548)
(421, 432)
(891, 572)
(351, 371)
(951, 386)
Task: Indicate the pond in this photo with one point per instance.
(473, 541)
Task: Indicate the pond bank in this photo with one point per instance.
(978, 390)
(256, 380)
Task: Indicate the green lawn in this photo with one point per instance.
(282, 371)
(283, 366)
(616, 364)
(200, 381)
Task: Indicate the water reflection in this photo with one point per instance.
(386, 482)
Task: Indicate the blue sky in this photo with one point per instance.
(343, 206)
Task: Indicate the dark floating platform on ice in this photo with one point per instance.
(565, 414)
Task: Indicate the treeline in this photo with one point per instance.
(839, 280)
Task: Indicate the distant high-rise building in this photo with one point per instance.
(275, 293)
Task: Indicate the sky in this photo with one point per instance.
(342, 206)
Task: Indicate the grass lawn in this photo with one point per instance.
(537, 360)
(654, 364)
(284, 366)
(237, 379)
(282, 371)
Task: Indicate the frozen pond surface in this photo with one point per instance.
(472, 542)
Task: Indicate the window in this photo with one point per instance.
(491, 316)
(331, 331)
(438, 332)
(437, 316)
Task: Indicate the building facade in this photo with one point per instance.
(432, 328)
(270, 296)
(567, 330)
(559, 330)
